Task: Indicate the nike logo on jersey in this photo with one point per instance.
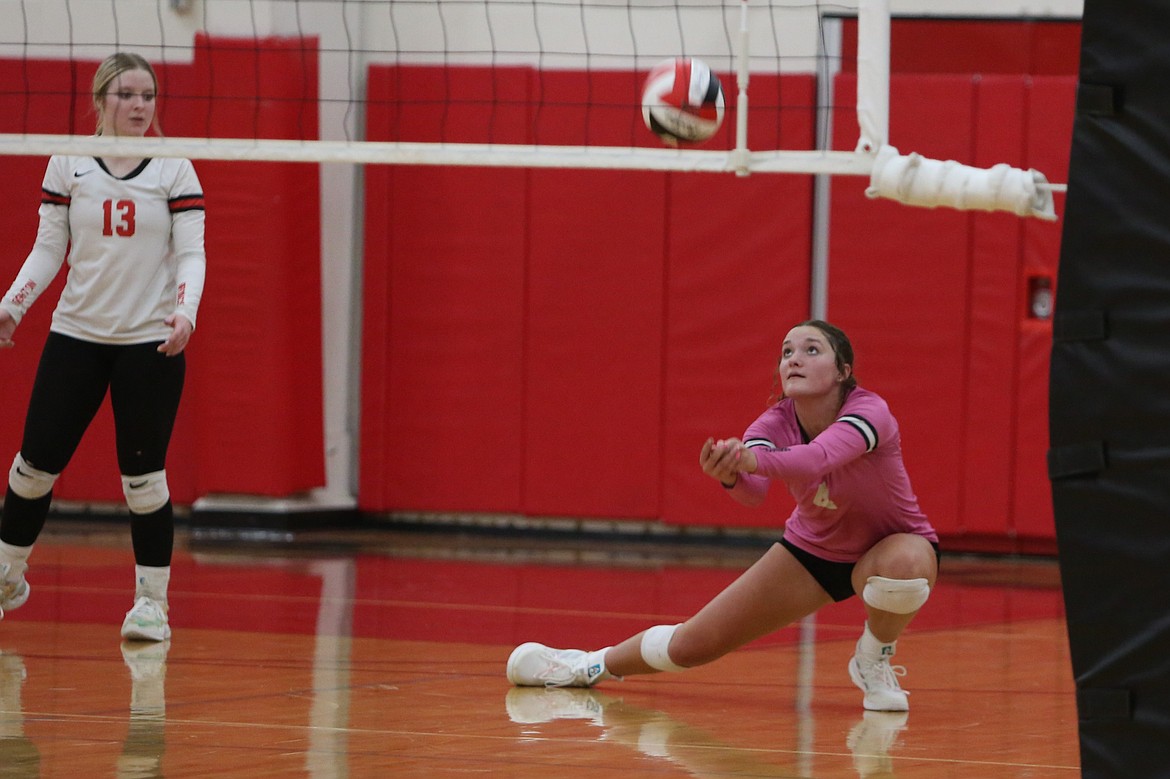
(79, 173)
(137, 485)
(22, 473)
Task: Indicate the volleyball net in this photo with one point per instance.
(538, 83)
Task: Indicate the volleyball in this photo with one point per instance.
(682, 101)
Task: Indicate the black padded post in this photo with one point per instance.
(1109, 416)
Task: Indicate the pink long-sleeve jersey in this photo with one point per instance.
(850, 484)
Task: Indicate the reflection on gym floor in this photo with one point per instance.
(382, 654)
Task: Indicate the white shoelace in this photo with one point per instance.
(147, 610)
(887, 675)
(558, 673)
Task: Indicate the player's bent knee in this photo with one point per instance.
(29, 482)
(655, 646)
(147, 492)
(897, 596)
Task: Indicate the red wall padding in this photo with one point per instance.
(442, 359)
(638, 313)
(1038, 47)
(251, 418)
(593, 347)
(561, 342)
(259, 404)
(898, 286)
(942, 329)
(1046, 139)
(729, 305)
(547, 342)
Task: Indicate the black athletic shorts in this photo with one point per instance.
(834, 578)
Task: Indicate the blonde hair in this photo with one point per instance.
(111, 67)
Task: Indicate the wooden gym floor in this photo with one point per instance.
(378, 654)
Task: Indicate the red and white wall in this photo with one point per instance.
(251, 417)
(559, 343)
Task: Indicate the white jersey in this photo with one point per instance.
(135, 248)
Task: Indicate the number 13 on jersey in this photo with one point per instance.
(118, 218)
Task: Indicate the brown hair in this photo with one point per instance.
(111, 67)
(842, 352)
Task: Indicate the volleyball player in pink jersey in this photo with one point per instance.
(133, 232)
(856, 530)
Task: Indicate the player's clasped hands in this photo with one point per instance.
(725, 459)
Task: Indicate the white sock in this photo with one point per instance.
(16, 557)
(870, 646)
(151, 582)
(597, 658)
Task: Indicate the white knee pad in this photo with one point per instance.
(146, 493)
(897, 596)
(655, 643)
(28, 482)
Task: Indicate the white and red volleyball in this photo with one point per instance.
(682, 101)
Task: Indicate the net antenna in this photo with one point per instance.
(911, 179)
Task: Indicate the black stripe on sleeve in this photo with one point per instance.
(54, 198)
(863, 426)
(186, 203)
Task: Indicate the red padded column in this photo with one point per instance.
(898, 286)
(992, 381)
(1048, 138)
(443, 307)
(594, 333)
(738, 279)
(255, 366)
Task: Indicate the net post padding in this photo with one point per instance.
(917, 181)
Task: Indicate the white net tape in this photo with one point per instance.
(502, 40)
(514, 54)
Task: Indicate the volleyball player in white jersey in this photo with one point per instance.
(133, 231)
(856, 530)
